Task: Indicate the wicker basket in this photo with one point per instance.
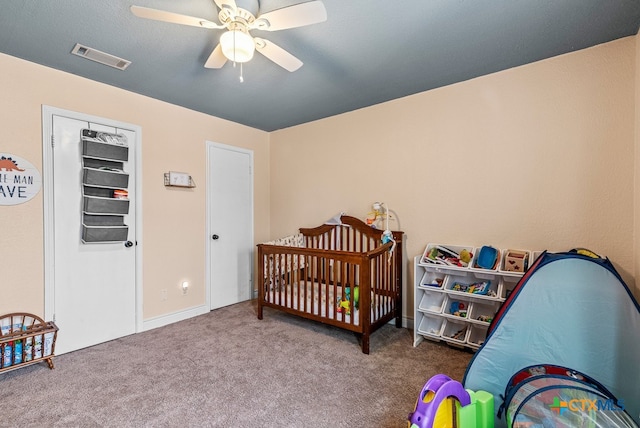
(26, 339)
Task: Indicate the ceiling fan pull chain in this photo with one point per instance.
(241, 77)
(234, 48)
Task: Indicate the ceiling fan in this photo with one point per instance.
(236, 43)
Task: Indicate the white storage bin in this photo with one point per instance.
(432, 279)
(482, 312)
(437, 254)
(476, 336)
(482, 272)
(512, 279)
(455, 307)
(515, 261)
(507, 289)
(472, 287)
(455, 331)
(534, 256)
(432, 302)
(430, 326)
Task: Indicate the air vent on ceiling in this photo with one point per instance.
(99, 56)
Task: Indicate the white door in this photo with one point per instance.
(93, 283)
(230, 224)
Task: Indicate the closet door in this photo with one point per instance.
(94, 280)
(230, 224)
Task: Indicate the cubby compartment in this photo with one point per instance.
(100, 205)
(105, 178)
(507, 287)
(432, 279)
(471, 286)
(448, 255)
(486, 259)
(456, 307)
(483, 312)
(476, 336)
(432, 302)
(430, 326)
(517, 261)
(455, 332)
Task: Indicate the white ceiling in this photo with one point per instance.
(367, 52)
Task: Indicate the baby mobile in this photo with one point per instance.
(377, 218)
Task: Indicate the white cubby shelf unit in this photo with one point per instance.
(454, 300)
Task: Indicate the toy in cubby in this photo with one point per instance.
(455, 330)
(444, 403)
(449, 256)
(480, 287)
(459, 309)
(516, 261)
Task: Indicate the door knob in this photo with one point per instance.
(128, 244)
(214, 237)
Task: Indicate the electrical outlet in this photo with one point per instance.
(163, 294)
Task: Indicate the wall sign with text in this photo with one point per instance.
(19, 180)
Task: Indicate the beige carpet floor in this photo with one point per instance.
(229, 369)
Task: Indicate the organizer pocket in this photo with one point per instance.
(102, 150)
(102, 220)
(96, 205)
(105, 178)
(104, 233)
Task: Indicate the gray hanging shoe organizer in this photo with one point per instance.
(104, 182)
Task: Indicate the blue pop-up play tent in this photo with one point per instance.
(569, 310)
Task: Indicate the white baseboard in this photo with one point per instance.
(163, 320)
(406, 322)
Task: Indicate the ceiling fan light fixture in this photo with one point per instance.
(237, 46)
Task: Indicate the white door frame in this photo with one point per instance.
(210, 146)
(47, 190)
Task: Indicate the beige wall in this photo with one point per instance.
(173, 138)
(540, 156)
(637, 168)
(535, 157)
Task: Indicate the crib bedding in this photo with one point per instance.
(304, 275)
(299, 297)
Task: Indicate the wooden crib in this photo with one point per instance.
(331, 273)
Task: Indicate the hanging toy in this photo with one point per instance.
(378, 216)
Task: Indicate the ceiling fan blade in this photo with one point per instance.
(227, 4)
(174, 18)
(294, 16)
(278, 55)
(216, 59)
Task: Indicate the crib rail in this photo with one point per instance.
(314, 288)
(352, 235)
